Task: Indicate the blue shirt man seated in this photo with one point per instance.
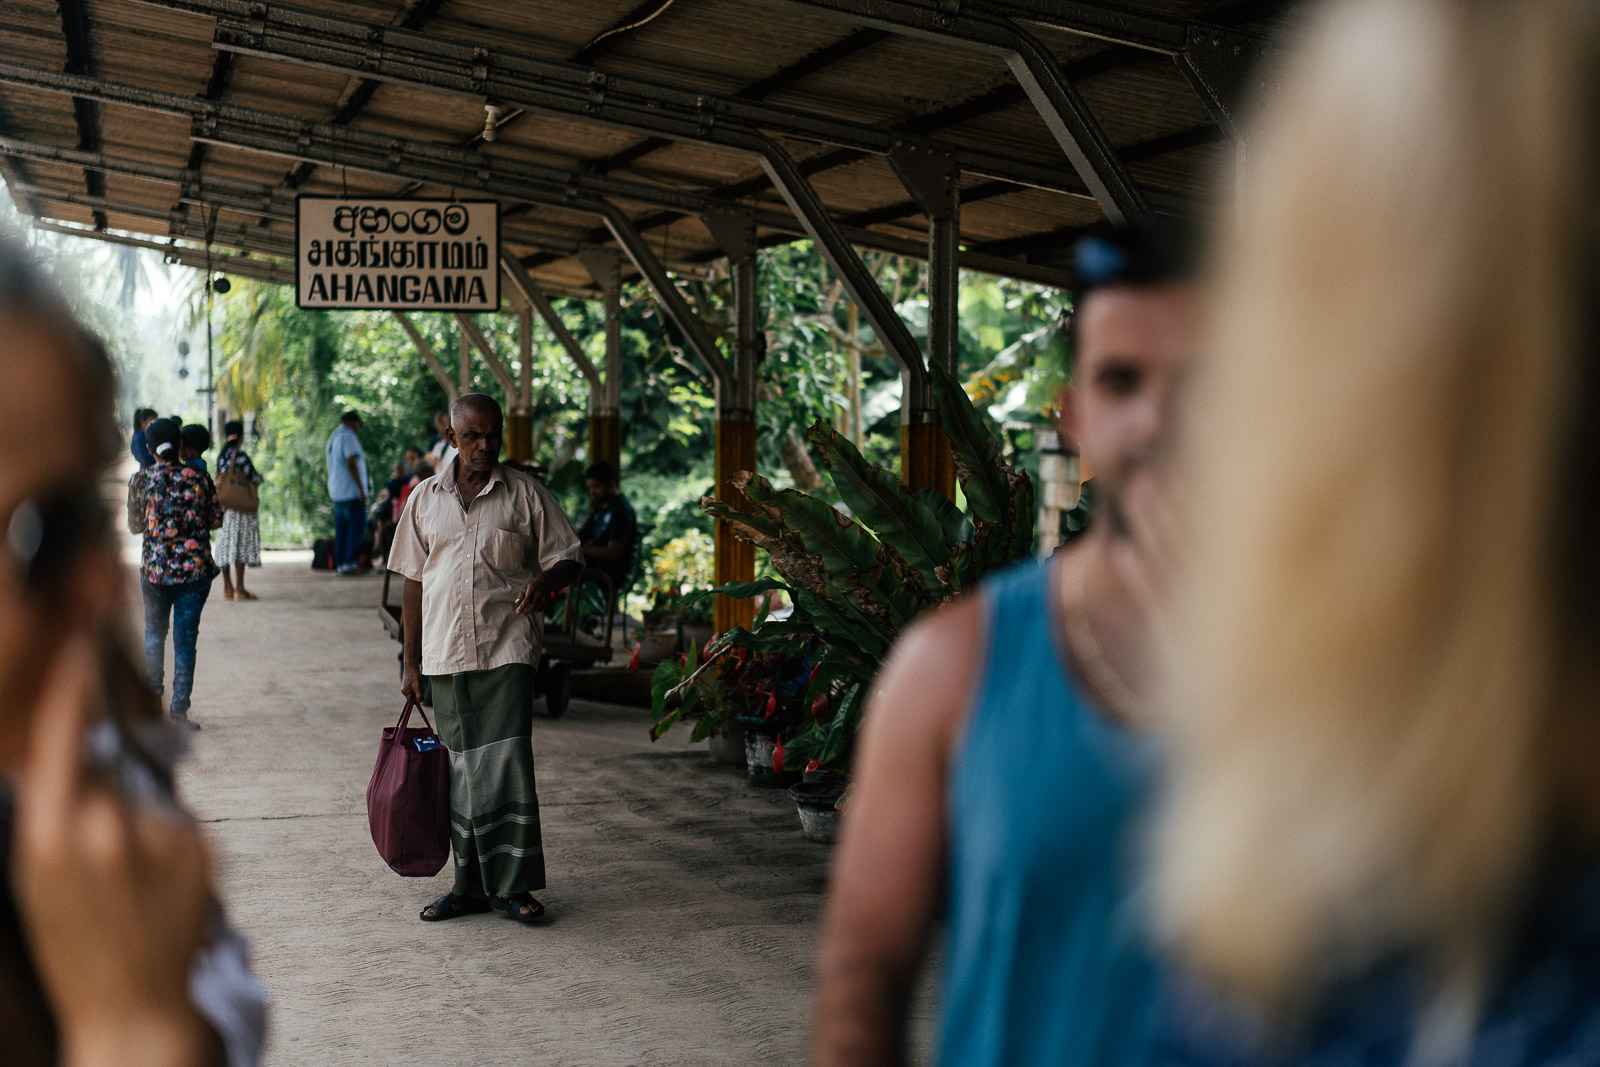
(611, 528)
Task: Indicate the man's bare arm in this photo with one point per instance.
(888, 874)
(411, 650)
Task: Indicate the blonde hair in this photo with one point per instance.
(1371, 675)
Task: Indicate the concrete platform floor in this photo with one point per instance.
(683, 902)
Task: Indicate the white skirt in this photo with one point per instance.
(239, 540)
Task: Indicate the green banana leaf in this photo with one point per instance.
(884, 505)
(979, 463)
(957, 527)
(739, 590)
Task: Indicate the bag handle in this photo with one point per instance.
(405, 716)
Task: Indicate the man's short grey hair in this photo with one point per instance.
(478, 404)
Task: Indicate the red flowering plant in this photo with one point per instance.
(759, 677)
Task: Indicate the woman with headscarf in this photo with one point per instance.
(238, 544)
(1381, 839)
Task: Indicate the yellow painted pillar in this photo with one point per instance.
(735, 559)
(605, 439)
(925, 459)
(519, 437)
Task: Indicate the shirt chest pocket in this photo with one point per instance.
(506, 551)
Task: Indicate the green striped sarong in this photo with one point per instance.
(485, 719)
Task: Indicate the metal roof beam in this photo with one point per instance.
(1031, 63)
(444, 165)
(672, 301)
(553, 87)
(1218, 61)
(86, 116)
(262, 270)
(858, 280)
(524, 284)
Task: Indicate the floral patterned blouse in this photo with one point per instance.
(232, 457)
(179, 511)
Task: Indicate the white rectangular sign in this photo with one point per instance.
(403, 255)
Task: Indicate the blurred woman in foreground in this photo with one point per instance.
(1382, 835)
(112, 948)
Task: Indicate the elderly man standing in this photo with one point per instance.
(483, 547)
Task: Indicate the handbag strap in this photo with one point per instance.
(405, 717)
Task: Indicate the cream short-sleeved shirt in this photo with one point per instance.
(473, 563)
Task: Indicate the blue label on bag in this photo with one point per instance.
(426, 744)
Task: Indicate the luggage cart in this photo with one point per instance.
(569, 646)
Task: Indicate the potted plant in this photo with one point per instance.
(659, 638)
(694, 622)
(856, 582)
(753, 688)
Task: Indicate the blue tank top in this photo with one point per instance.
(1045, 963)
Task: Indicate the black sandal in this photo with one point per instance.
(451, 906)
(512, 907)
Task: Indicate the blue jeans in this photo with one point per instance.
(181, 606)
(349, 527)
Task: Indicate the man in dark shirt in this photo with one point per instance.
(609, 531)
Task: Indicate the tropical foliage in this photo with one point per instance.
(857, 580)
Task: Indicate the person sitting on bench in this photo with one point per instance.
(609, 531)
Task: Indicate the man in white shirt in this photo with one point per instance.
(482, 548)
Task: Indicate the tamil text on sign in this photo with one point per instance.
(419, 255)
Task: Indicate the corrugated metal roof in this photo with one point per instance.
(800, 57)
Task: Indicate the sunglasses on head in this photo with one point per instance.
(46, 533)
(1098, 261)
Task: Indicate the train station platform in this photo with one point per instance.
(683, 902)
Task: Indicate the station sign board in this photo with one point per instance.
(400, 254)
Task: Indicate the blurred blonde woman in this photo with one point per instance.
(1381, 833)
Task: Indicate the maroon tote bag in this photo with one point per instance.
(408, 799)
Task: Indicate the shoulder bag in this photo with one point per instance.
(138, 494)
(235, 490)
(408, 799)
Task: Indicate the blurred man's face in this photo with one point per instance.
(476, 435)
(1133, 344)
(411, 457)
(600, 492)
(441, 422)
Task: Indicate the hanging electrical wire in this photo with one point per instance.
(630, 26)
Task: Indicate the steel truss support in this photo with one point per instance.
(605, 422)
(934, 182)
(518, 181)
(853, 273)
(1031, 63)
(451, 391)
(497, 367)
(184, 255)
(1218, 61)
(672, 302)
(551, 87)
(530, 292)
(735, 233)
